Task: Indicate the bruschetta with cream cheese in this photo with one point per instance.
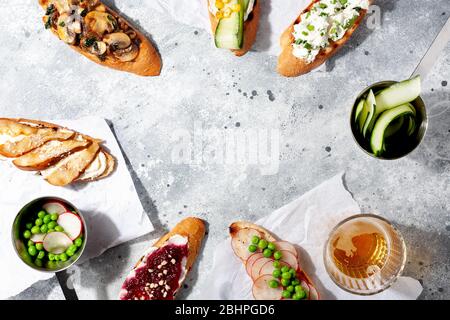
(272, 264)
(234, 24)
(102, 35)
(160, 272)
(318, 33)
(62, 156)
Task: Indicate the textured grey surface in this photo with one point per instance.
(42, 78)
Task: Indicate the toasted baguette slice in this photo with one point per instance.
(50, 153)
(23, 138)
(147, 62)
(241, 233)
(192, 229)
(250, 28)
(101, 167)
(291, 66)
(70, 168)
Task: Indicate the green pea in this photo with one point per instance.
(47, 219)
(44, 228)
(29, 225)
(27, 234)
(286, 294)
(301, 294)
(39, 246)
(73, 248)
(63, 257)
(292, 271)
(56, 257)
(290, 288)
(30, 243)
(273, 284)
(35, 230)
(271, 246)
(255, 239)
(51, 256)
(298, 288)
(262, 244)
(252, 248)
(42, 214)
(59, 228)
(32, 251)
(267, 253)
(276, 264)
(38, 262)
(277, 255)
(51, 225)
(78, 242)
(296, 296)
(276, 273)
(54, 216)
(70, 253)
(285, 269)
(285, 282)
(286, 275)
(38, 222)
(50, 230)
(41, 255)
(295, 282)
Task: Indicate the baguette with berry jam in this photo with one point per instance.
(162, 269)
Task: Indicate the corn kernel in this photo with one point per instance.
(219, 15)
(226, 1)
(219, 4)
(236, 7)
(227, 12)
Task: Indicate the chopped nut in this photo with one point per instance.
(165, 271)
(173, 261)
(161, 282)
(164, 263)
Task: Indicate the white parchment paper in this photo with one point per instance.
(306, 222)
(111, 207)
(276, 16)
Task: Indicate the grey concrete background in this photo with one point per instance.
(42, 78)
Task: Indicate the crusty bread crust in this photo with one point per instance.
(238, 225)
(191, 228)
(250, 28)
(291, 66)
(147, 63)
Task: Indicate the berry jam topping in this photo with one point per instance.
(157, 277)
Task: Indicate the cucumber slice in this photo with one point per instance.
(371, 106)
(359, 109)
(394, 127)
(230, 31)
(399, 94)
(382, 123)
(411, 126)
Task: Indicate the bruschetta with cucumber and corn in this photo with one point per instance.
(234, 24)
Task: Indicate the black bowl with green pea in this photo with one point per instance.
(389, 118)
(49, 234)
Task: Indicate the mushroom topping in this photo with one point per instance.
(117, 40)
(98, 48)
(127, 54)
(100, 22)
(62, 5)
(65, 32)
(132, 34)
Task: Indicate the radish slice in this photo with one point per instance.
(56, 242)
(286, 246)
(241, 240)
(256, 267)
(289, 258)
(54, 207)
(313, 295)
(305, 287)
(267, 268)
(262, 291)
(71, 223)
(251, 260)
(38, 238)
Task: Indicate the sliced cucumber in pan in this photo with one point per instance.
(394, 127)
(370, 120)
(359, 109)
(383, 122)
(398, 94)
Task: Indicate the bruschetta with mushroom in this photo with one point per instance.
(234, 24)
(60, 155)
(160, 272)
(271, 263)
(318, 33)
(102, 35)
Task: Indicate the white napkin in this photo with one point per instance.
(111, 207)
(276, 16)
(306, 222)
